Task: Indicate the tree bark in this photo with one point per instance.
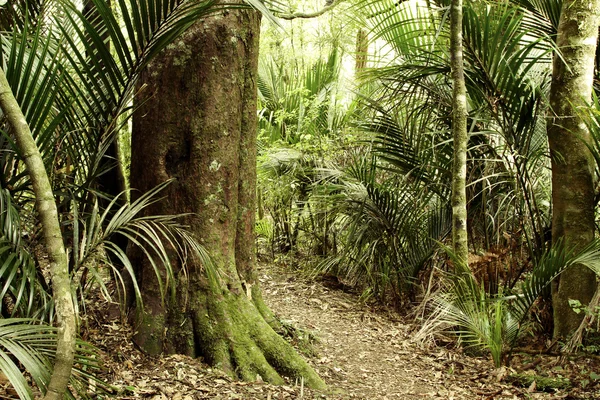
(59, 272)
(199, 127)
(572, 163)
(459, 134)
(362, 49)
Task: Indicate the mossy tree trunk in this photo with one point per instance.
(199, 128)
(572, 163)
(459, 135)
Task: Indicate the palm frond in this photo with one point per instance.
(295, 104)
(27, 343)
(16, 13)
(23, 292)
(558, 258)
(407, 140)
(159, 237)
(505, 68)
(390, 229)
(591, 116)
(543, 15)
(74, 76)
(494, 323)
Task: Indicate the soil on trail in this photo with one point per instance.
(368, 353)
(360, 351)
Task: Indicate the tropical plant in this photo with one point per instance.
(507, 72)
(23, 293)
(26, 292)
(388, 227)
(297, 104)
(27, 343)
(160, 237)
(492, 323)
(301, 126)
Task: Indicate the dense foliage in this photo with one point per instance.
(354, 159)
(377, 196)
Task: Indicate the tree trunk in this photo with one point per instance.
(48, 214)
(362, 50)
(459, 134)
(572, 163)
(199, 128)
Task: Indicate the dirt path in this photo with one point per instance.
(360, 352)
(368, 354)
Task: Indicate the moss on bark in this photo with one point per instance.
(196, 123)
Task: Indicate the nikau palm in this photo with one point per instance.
(459, 134)
(507, 60)
(493, 323)
(386, 227)
(59, 270)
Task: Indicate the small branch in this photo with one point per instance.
(315, 14)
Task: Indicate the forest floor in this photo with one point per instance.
(361, 351)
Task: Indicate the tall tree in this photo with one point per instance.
(572, 164)
(196, 124)
(459, 134)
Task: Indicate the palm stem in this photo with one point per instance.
(46, 207)
(459, 133)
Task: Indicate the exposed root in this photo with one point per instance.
(242, 343)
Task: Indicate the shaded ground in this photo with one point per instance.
(365, 353)
(361, 352)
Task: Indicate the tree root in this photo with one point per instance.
(240, 341)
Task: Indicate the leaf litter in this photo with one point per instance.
(362, 351)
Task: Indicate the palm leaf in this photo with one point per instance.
(485, 322)
(558, 258)
(297, 103)
(33, 346)
(543, 15)
(406, 140)
(160, 238)
(390, 229)
(19, 279)
(505, 68)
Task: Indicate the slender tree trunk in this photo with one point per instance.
(459, 134)
(46, 207)
(572, 163)
(199, 128)
(362, 49)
